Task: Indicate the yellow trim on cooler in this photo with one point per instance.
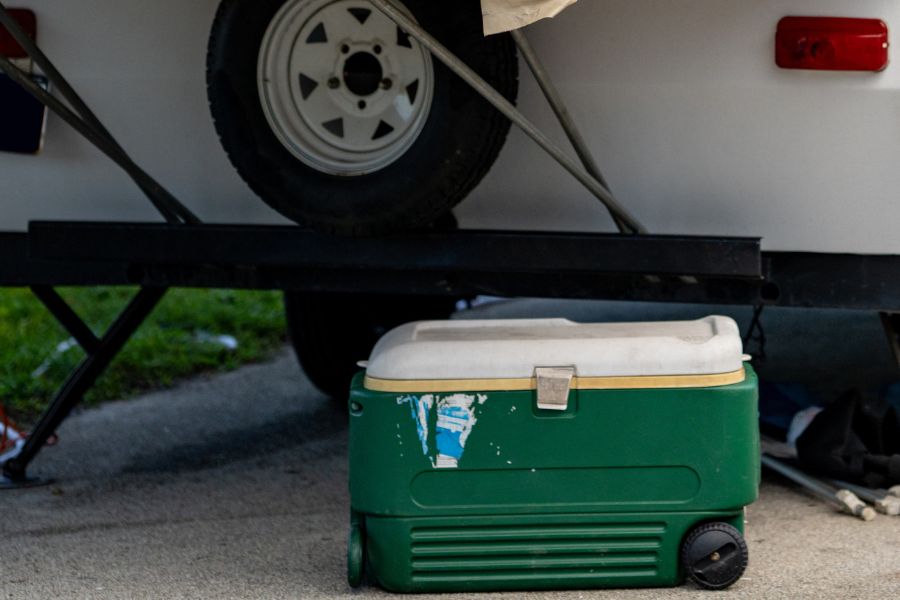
(439, 386)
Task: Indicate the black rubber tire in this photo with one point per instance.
(456, 148)
(730, 560)
(332, 332)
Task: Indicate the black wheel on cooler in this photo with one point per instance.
(344, 123)
(714, 555)
(356, 551)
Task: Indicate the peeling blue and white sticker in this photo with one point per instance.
(453, 418)
(420, 409)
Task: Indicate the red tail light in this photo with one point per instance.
(832, 44)
(8, 46)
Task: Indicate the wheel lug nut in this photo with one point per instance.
(334, 83)
(386, 83)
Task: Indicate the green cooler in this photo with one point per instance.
(545, 454)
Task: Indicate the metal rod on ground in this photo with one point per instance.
(843, 500)
(558, 105)
(883, 502)
(507, 109)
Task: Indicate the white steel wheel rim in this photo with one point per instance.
(343, 88)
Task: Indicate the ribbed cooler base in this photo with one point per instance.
(529, 551)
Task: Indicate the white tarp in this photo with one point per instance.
(505, 15)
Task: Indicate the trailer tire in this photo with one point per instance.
(332, 332)
(302, 141)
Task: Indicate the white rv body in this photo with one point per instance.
(695, 127)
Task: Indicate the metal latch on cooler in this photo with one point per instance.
(553, 385)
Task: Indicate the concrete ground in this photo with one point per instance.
(235, 487)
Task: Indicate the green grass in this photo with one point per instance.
(170, 346)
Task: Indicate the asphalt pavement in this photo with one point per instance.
(235, 486)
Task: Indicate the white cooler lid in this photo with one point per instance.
(513, 349)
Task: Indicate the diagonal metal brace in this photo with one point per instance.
(498, 101)
(80, 381)
(559, 108)
(83, 120)
(67, 318)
